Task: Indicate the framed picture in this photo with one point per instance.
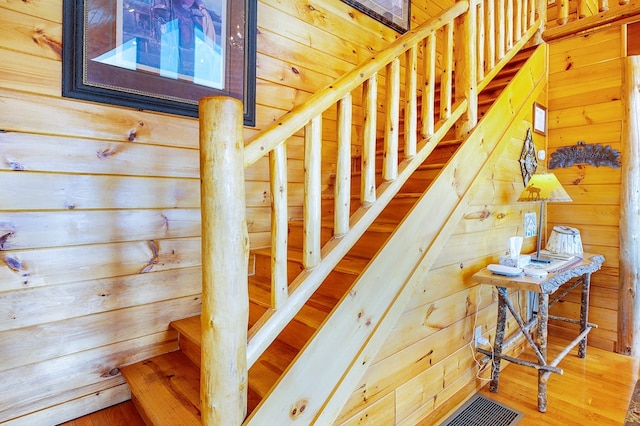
(392, 13)
(539, 119)
(160, 55)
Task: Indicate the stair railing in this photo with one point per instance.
(576, 16)
(487, 32)
(288, 298)
(583, 8)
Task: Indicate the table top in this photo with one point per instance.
(549, 284)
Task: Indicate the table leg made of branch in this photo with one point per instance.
(576, 275)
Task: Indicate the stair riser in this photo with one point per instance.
(294, 267)
(439, 155)
(420, 181)
(392, 213)
(366, 246)
(190, 348)
(296, 235)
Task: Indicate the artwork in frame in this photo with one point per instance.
(160, 55)
(392, 13)
(539, 119)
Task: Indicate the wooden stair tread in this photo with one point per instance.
(442, 143)
(352, 265)
(310, 315)
(166, 389)
(189, 328)
(272, 363)
(422, 167)
(264, 373)
(399, 195)
(385, 227)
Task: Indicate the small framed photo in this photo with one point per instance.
(539, 119)
(530, 227)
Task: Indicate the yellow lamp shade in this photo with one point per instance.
(544, 187)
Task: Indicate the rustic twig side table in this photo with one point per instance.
(544, 287)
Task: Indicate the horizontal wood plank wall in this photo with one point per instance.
(99, 205)
(585, 78)
(426, 367)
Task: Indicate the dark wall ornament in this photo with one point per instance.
(528, 162)
(582, 153)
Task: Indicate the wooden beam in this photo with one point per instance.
(225, 256)
(411, 103)
(390, 165)
(279, 225)
(368, 184)
(343, 167)
(465, 60)
(312, 192)
(629, 284)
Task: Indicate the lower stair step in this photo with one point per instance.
(166, 390)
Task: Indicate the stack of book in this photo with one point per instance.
(555, 262)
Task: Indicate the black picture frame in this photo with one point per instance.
(160, 55)
(395, 14)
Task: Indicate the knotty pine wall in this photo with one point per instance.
(585, 78)
(99, 205)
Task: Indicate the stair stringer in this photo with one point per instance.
(316, 386)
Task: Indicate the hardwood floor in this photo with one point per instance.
(592, 392)
(124, 414)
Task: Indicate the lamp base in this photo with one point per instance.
(540, 259)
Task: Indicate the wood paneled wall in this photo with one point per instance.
(585, 78)
(99, 230)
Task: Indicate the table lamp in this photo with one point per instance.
(543, 187)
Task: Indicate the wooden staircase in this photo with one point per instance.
(165, 389)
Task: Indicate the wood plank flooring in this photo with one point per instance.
(123, 414)
(592, 392)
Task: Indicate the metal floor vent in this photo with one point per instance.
(481, 411)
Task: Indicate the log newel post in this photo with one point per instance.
(225, 252)
(629, 281)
